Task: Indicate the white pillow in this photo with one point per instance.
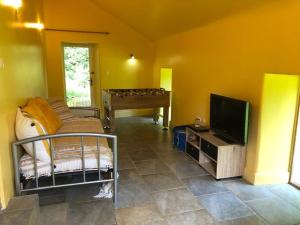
(28, 127)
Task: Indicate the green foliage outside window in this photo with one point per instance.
(77, 76)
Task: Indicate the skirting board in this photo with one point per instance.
(134, 112)
(272, 178)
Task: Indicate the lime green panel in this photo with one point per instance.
(278, 113)
(166, 78)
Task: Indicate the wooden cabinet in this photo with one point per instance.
(220, 159)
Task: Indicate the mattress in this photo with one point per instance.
(68, 151)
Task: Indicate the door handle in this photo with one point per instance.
(91, 82)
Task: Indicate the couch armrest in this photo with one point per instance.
(86, 112)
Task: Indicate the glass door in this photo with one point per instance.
(78, 70)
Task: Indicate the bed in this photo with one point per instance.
(79, 150)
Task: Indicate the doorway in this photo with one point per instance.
(78, 74)
(295, 173)
(166, 83)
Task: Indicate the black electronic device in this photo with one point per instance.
(229, 118)
(198, 128)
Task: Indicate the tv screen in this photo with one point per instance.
(229, 118)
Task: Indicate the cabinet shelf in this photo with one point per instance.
(194, 144)
(210, 158)
(210, 168)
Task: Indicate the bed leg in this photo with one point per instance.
(17, 172)
(115, 175)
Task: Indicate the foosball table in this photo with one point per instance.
(118, 99)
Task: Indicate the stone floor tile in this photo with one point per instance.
(176, 201)
(203, 185)
(55, 214)
(91, 213)
(172, 156)
(141, 215)
(275, 211)
(165, 147)
(23, 202)
(125, 162)
(82, 193)
(200, 217)
(287, 193)
(250, 220)
(142, 155)
(225, 206)
(162, 181)
(52, 199)
(18, 217)
(132, 190)
(151, 166)
(186, 168)
(246, 191)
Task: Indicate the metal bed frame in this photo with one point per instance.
(17, 149)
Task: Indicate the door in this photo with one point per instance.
(79, 74)
(295, 173)
(166, 83)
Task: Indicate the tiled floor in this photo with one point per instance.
(161, 186)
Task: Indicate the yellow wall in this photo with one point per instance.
(277, 121)
(113, 50)
(230, 57)
(21, 77)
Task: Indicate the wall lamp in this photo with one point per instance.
(131, 56)
(12, 3)
(132, 59)
(38, 26)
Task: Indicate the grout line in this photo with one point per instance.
(165, 190)
(257, 199)
(222, 192)
(195, 176)
(184, 212)
(232, 180)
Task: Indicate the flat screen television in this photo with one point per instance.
(229, 118)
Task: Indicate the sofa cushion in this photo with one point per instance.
(28, 127)
(39, 109)
(91, 125)
(82, 125)
(61, 108)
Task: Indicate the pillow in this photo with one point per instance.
(40, 110)
(26, 128)
(61, 108)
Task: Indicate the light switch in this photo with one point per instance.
(2, 64)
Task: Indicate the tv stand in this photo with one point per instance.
(223, 138)
(217, 157)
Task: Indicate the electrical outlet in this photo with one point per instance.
(199, 118)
